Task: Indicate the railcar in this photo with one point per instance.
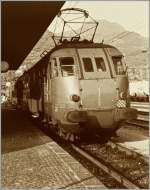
(78, 87)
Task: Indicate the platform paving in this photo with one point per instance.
(31, 159)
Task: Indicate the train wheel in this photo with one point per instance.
(60, 132)
(77, 137)
(67, 135)
(72, 137)
(53, 121)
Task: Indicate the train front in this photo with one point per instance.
(104, 87)
(90, 88)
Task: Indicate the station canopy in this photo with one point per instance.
(23, 23)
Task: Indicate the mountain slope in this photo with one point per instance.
(132, 44)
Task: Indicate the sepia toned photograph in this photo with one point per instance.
(75, 94)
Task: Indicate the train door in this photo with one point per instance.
(55, 84)
(48, 99)
(96, 84)
(88, 85)
(41, 99)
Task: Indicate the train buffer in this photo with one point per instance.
(31, 159)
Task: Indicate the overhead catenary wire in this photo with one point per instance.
(124, 33)
(122, 36)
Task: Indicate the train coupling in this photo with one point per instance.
(125, 114)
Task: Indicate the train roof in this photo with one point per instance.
(70, 44)
(81, 44)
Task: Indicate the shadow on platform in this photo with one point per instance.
(18, 131)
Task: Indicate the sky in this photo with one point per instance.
(132, 15)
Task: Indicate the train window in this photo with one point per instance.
(67, 66)
(100, 64)
(88, 66)
(118, 66)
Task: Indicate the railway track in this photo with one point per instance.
(143, 115)
(141, 121)
(141, 106)
(127, 167)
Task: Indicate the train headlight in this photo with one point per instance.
(123, 95)
(75, 98)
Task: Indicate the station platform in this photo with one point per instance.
(31, 159)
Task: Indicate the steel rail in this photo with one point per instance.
(107, 168)
(143, 107)
(140, 103)
(143, 117)
(141, 121)
(138, 124)
(143, 113)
